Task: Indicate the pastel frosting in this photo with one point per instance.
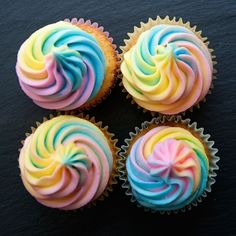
(61, 66)
(66, 163)
(168, 70)
(167, 168)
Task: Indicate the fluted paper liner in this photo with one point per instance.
(101, 96)
(112, 143)
(133, 37)
(192, 127)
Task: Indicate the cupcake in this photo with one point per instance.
(68, 162)
(67, 65)
(166, 66)
(168, 165)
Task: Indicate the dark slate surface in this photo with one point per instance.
(21, 215)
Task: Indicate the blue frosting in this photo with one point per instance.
(75, 52)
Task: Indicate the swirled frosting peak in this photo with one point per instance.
(66, 163)
(61, 66)
(167, 168)
(168, 70)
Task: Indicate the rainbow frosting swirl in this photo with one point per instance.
(168, 70)
(66, 163)
(61, 66)
(167, 168)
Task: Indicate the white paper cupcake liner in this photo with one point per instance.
(133, 36)
(113, 145)
(205, 138)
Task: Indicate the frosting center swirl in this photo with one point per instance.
(66, 163)
(168, 70)
(61, 66)
(167, 168)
